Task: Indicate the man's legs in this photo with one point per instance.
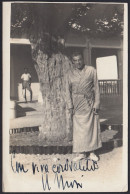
(24, 90)
(24, 94)
(30, 90)
(30, 94)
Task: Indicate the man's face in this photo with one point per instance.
(25, 70)
(78, 61)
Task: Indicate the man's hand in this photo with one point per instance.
(71, 111)
(96, 111)
(22, 86)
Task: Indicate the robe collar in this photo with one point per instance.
(80, 71)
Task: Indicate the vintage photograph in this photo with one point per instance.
(66, 97)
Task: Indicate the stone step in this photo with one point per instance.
(24, 129)
(36, 128)
(61, 149)
(29, 113)
(111, 126)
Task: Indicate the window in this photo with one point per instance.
(107, 68)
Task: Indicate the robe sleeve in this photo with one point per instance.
(29, 75)
(96, 91)
(22, 76)
(68, 92)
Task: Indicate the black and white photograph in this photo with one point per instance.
(65, 97)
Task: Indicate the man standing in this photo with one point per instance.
(83, 101)
(26, 83)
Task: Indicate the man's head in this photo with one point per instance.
(77, 60)
(25, 70)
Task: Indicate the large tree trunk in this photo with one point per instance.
(57, 123)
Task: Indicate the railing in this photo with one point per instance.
(110, 87)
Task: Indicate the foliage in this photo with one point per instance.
(98, 20)
(49, 22)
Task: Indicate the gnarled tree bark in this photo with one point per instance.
(57, 123)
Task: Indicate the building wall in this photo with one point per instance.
(96, 47)
(20, 58)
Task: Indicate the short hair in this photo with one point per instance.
(76, 53)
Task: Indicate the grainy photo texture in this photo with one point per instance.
(66, 97)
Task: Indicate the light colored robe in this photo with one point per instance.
(82, 94)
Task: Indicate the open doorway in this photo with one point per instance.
(102, 52)
(105, 60)
(107, 68)
(20, 58)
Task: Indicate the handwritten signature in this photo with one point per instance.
(68, 166)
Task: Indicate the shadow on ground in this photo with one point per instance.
(21, 111)
(111, 109)
(23, 102)
(34, 143)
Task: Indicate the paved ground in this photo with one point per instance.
(34, 138)
(112, 110)
(30, 114)
(108, 176)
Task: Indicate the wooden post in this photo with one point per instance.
(87, 54)
(120, 67)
